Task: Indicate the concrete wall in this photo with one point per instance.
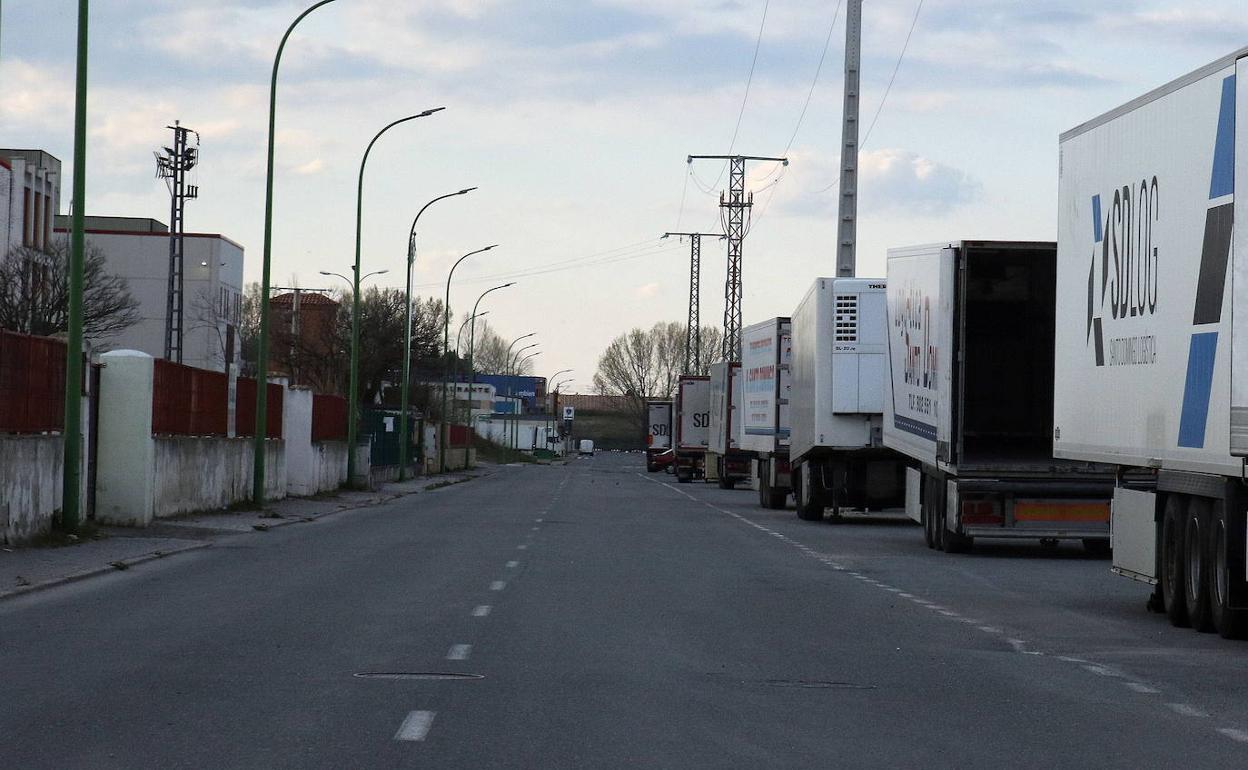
(331, 465)
(30, 485)
(194, 473)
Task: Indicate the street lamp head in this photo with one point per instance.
(427, 113)
(487, 248)
(465, 191)
(504, 286)
(325, 272)
(382, 272)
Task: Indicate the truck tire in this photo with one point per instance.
(1228, 622)
(809, 506)
(927, 527)
(650, 466)
(1172, 567)
(683, 476)
(1195, 559)
(725, 481)
(765, 497)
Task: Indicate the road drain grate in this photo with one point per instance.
(422, 675)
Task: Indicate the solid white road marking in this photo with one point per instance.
(522, 546)
(415, 727)
(498, 585)
(513, 564)
(459, 652)
(1184, 710)
(1234, 734)
(1140, 687)
(1100, 670)
(481, 611)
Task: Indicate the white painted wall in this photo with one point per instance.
(30, 485)
(194, 473)
(311, 467)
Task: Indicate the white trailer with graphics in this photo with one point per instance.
(658, 432)
(726, 462)
(1152, 334)
(766, 350)
(840, 383)
(970, 339)
(693, 423)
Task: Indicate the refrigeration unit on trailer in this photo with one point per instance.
(658, 432)
(1152, 334)
(726, 462)
(693, 420)
(765, 354)
(839, 376)
(971, 327)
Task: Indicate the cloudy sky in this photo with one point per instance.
(574, 117)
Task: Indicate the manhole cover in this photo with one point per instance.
(810, 684)
(425, 675)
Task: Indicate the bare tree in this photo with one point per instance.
(645, 365)
(34, 294)
(490, 354)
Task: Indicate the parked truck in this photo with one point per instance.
(1151, 358)
(971, 341)
(840, 380)
(658, 432)
(766, 349)
(726, 462)
(693, 422)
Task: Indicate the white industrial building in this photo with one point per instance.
(138, 251)
(30, 197)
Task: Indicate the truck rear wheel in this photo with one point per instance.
(1172, 571)
(1228, 622)
(1195, 552)
(725, 482)
(809, 502)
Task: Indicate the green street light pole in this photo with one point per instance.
(353, 388)
(515, 425)
(407, 348)
(262, 350)
(71, 473)
(511, 385)
(472, 334)
(459, 338)
(444, 426)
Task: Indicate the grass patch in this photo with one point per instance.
(488, 451)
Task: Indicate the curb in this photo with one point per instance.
(124, 564)
(116, 566)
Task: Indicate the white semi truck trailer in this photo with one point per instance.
(693, 427)
(1151, 357)
(726, 462)
(658, 432)
(840, 382)
(766, 351)
(971, 327)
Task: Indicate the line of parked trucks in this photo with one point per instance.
(1091, 389)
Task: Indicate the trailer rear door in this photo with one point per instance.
(1239, 252)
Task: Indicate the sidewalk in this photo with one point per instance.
(33, 568)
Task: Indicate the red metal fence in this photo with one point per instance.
(189, 402)
(32, 384)
(460, 436)
(245, 409)
(329, 418)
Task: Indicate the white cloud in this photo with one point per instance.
(890, 180)
(314, 166)
(646, 291)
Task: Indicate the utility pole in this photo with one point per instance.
(693, 327)
(172, 167)
(847, 221)
(737, 203)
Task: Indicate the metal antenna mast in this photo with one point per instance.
(736, 202)
(847, 222)
(172, 167)
(693, 327)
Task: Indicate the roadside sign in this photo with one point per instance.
(569, 413)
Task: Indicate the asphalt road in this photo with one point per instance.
(615, 619)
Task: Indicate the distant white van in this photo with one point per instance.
(587, 447)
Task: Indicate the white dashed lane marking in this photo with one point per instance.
(513, 564)
(498, 585)
(481, 611)
(415, 727)
(459, 652)
(1018, 645)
